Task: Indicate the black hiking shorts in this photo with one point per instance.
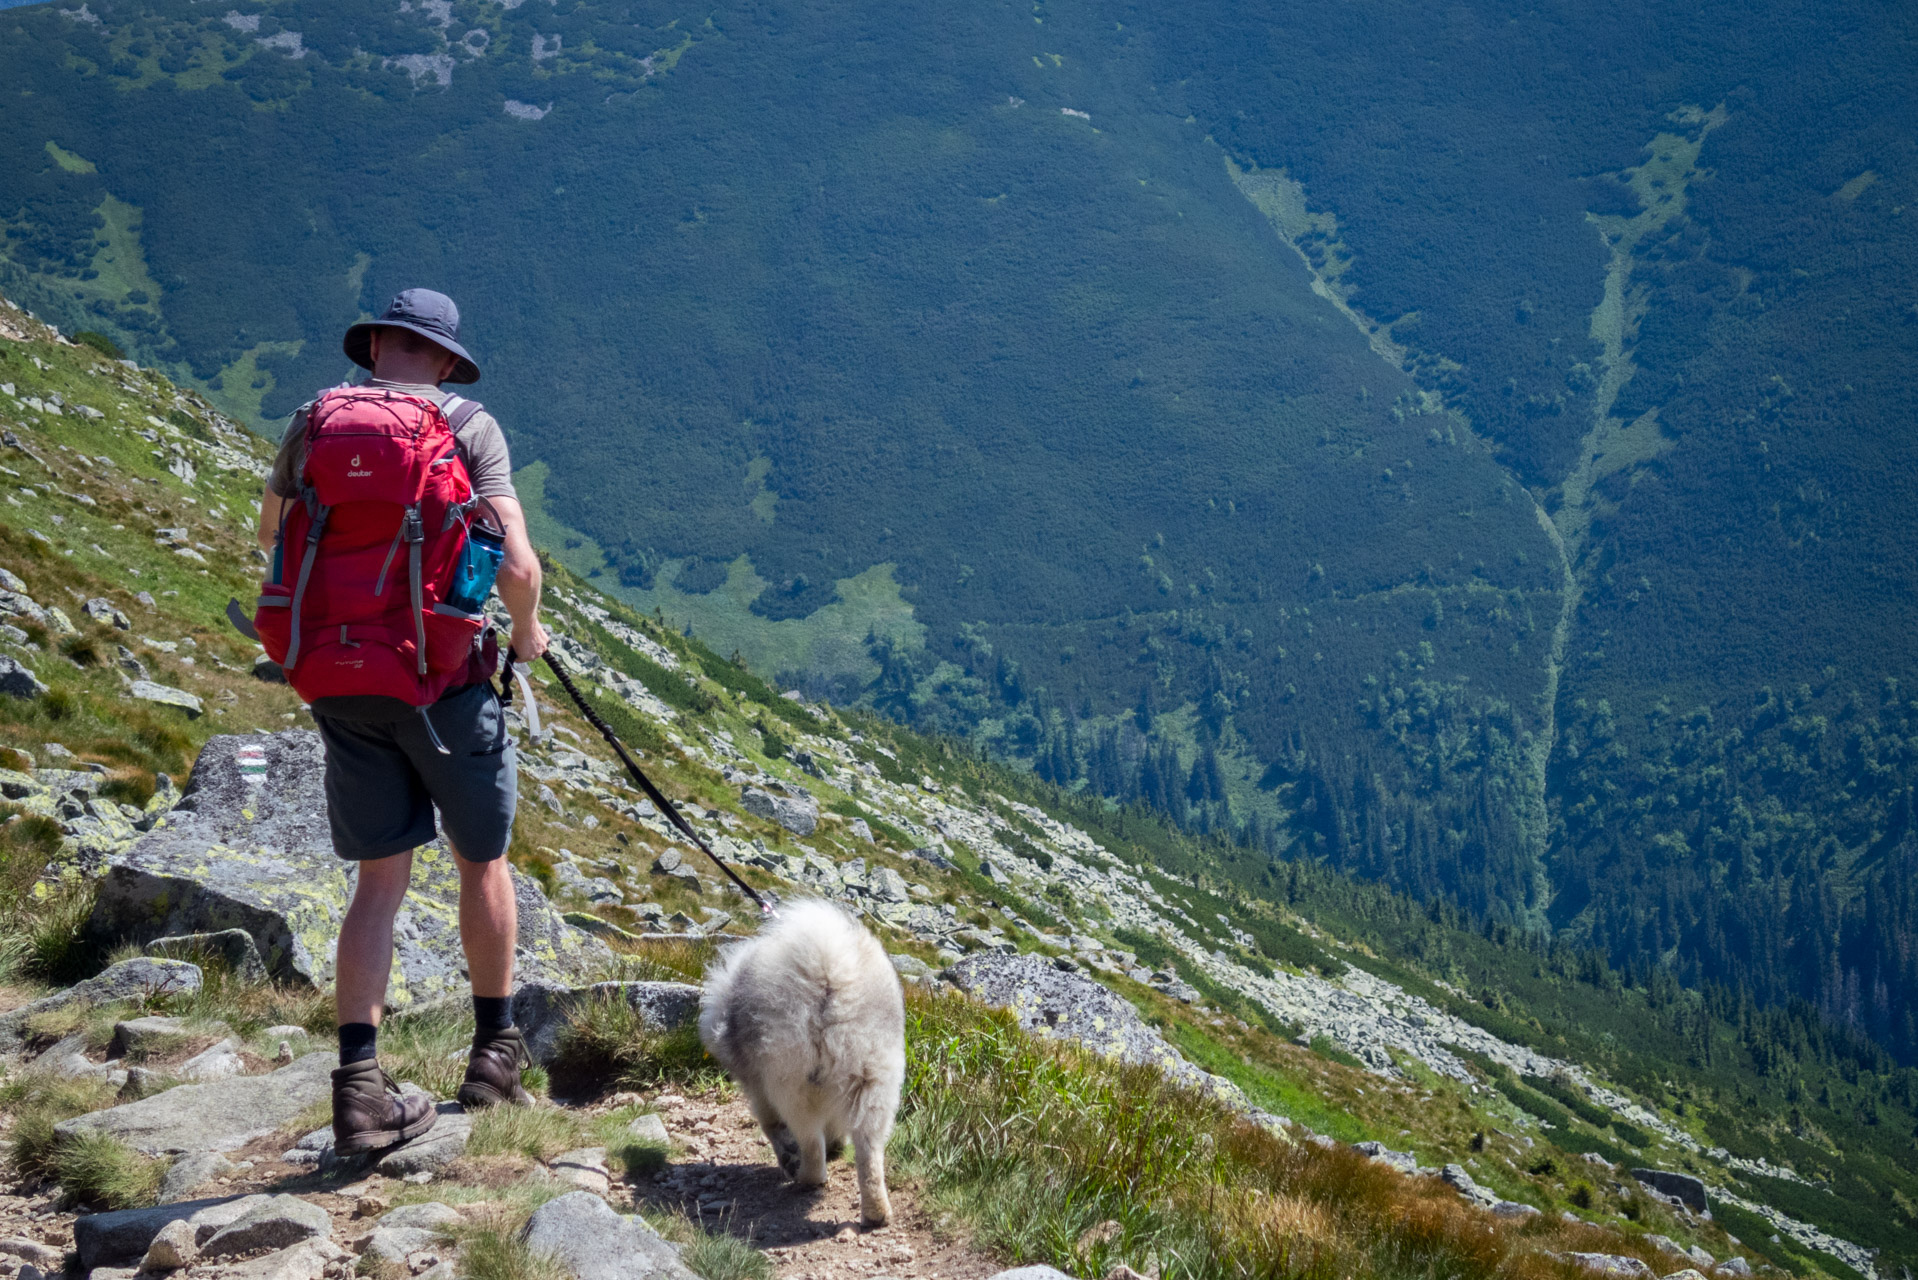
(385, 777)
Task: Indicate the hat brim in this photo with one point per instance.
(358, 345)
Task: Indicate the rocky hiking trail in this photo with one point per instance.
(714, 1168)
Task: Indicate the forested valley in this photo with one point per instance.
(1466, 447)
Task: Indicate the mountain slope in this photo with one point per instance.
(1000, 370)
(1339, 1006)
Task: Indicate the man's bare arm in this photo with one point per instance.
(271, 504)
(519, 582)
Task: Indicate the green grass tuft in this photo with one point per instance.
(608, 1041)
(715, 1255)
(100, 1170)
(538, 1132)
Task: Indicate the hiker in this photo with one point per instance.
(388, 513)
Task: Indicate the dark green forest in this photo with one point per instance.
(1589, 630)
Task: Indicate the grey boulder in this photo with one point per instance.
(18, 680)
(248, 848)
(234, 946)
(166, 696)
(797, 815)
(191, 1172)
(407, 1230)
(1610, 1264)
(542, 1010)
(1686, 1188)
(130, 979)
(220, 1115)
(1455, 1176)
(145, 1035)
(1379, 1153)
(123, 1235)
(433, 1150)
(583, 1234)
(280, 1223)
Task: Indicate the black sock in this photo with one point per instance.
(357, 1040)
(492, 1013)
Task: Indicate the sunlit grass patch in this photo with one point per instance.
(1034, 1144)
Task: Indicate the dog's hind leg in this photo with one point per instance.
(785, 1148)
(869, 1163)
(812, 1154)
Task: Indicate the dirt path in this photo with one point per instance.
(721, 1174)
(724, 1175)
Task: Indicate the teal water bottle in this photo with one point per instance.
(479, 565)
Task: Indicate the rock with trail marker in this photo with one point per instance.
(248, 848)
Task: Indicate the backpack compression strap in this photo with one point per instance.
(317, 526)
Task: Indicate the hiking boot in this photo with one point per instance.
(369, 1113)
(492, 1072)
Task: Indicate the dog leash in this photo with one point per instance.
(653, 793)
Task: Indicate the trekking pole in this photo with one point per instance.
(645, 783)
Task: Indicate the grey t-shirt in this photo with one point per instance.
(482, 447)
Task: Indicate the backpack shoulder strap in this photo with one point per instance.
(459, 411)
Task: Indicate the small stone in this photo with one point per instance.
(649, 1130)
(217, 1063)
(101, 610)
(172, 1249)
(281, 1222)
(268, 671)
(165, 695)
(32, 1252)
(584, 1168)
(907, 966)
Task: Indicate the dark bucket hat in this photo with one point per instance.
(429, 314)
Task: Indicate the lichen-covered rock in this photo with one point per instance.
(248, 847)
(281, 1222)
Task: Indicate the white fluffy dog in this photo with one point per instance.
(809, 1019)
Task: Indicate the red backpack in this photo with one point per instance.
(369, 550)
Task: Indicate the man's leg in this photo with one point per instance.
(489, 924)
(379, 812)
(489, 929)
(366, 939)
(474, 784)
